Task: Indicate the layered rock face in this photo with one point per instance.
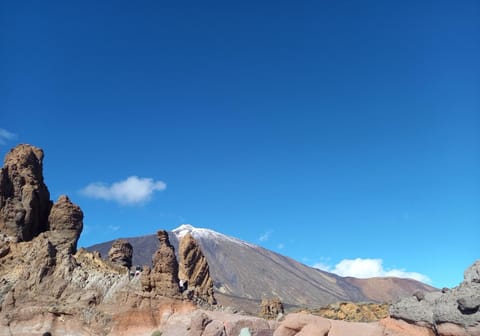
(162, 279)
(194, 271)
(24, 198)
(450, 312)
(121, 253)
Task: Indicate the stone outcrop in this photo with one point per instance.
(453, 312)
(24, 198)
(121, 253)
(353, 312)
(162, 279)
(194, 271)
(271, 308)
(47, 286)
(65, 225)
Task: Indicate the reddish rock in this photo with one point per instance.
(303, 324)
(393, 327)
(451, 329)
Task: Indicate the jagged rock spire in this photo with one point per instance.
(194, 269)
(24, 198)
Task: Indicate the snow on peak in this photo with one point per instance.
(183, 229)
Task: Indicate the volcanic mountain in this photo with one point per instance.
(245, 273)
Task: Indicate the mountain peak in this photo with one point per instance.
(198, 233)
(183, 229)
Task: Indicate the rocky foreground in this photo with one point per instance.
(46, 285)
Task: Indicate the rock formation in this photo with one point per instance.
(353, 312)
(121, 253)
(65, 225)
(452, 312)
(271, 308)
(24, 197)
(47, 286)
(194, 271)
(162, 279)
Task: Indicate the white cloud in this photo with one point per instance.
(5, 136)
(281, 246)
(369, 268)
(266, 236)
(133, 190)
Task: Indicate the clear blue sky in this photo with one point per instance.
(324, 130)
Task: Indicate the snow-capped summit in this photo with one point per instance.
(199, 233)
(246, 273)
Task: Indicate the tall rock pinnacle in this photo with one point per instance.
(163, 278)
(24, 198)
(194, 269)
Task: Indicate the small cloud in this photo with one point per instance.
(114, 227)
(369, 268)
(266, 236)
(5, 136)
(133, 190)
(281, 246)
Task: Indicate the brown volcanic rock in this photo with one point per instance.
(353, 312)
(121, 253)
(194, 269)
(163, 278)
(271, 308)
(65, 224)
(24, 197)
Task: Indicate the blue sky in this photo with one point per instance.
(343, 134)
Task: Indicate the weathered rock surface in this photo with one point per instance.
(271, 308)
(121, 253)
(162, 279)
(194, 271)
(65, 225)
(24, 198)
(472, 274)
(452, 312)
(353, 312)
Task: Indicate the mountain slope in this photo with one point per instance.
(248, 273)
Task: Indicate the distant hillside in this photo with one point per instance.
(245, 273)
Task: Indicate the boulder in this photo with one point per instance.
(453, 312)
(303, 324)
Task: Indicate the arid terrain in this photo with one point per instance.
(47, 284)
